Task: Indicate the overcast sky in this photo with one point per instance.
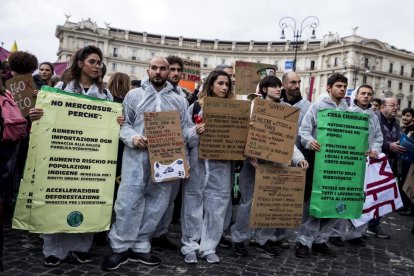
(32, 23)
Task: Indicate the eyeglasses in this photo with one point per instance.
(95, 62)
(392, 105)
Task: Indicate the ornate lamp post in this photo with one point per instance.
(289, 22)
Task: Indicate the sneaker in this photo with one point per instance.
(115, 261)
(240, 249)
(191, 258)
(212, 258)
(163, 242)
(379, 232)
(52, 261)
(283, 243)
(145, 258)
(324, 249)
(337, 241)
(301, 251)
(81, 257)
(357, 241)
(224, 243)
(266, 248)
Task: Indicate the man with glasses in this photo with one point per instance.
(391, 131)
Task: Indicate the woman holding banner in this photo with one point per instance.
(270, 90)
(207, 192)
(85, 78)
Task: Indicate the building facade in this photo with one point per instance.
(388, 69)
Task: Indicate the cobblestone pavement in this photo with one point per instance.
(23, 256)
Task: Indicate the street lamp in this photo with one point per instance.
(288, 21)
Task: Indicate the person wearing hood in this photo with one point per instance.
(361, 99)
(265, 238)
(314, 232)
(141, 202)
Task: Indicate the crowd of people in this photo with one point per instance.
(144, 209)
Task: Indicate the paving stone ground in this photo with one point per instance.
(23, 256)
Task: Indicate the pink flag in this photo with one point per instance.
(60, 67)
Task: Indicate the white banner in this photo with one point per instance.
(381, 191)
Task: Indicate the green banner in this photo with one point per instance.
(338, 180)
(69, 176)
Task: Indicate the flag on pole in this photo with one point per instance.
(14, 47)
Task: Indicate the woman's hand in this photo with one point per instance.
(35, 114)
(200, 128)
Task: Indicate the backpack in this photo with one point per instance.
(14, 125)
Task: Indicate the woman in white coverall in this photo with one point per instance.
(86, 80)
(270, 89)
(207, 191)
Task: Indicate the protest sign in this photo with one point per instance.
(272, 132)
(278, 197)
(165, 146)
(408, 187)
(246, 74)
(226, 125)
(22, 88)
(381, 191)
(191, 70)
(338, 181)
(73, 165)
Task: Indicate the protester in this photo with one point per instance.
(84, 79)
(46, 72)
(207, 191)
(361, 100)
(376, 104)
(140, 202)
(408, 128)
(160, 238)
(224, 242)
(314, 232)
(270, 88)
(391, 131)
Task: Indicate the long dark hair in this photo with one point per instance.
(75, 71)
(208, 85)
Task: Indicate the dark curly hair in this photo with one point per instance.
(75, 71)
(175, 59)
(23, 62)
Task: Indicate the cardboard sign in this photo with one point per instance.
(247, 76)
(226, 126)
(165, 146)
(191, 70)
(21, 88)
(408, 187)
(278, 197)
(272, 132)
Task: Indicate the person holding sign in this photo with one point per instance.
(85, 79)
(361, 100)
(141, 202)
(270, 89)
(314, 232)
(207, 191)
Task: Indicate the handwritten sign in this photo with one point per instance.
(247, 76)
(22, 88)
(191, 70)
(227, 124)
(272, 132)
(408, 187)
(165, 146)
(278, 197)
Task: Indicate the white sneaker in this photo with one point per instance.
(190, 258)
(212, 258)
